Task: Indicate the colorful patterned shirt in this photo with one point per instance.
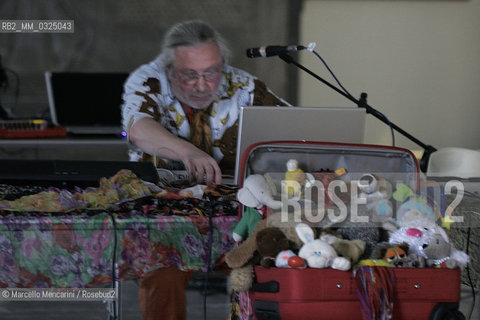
(147, 93)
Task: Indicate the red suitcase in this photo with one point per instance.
(419, 293)
(332, 294)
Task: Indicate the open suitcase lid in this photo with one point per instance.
(400, 165)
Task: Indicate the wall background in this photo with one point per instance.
(417, 60)
(120, 35)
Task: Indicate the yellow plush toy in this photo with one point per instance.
(294, 178)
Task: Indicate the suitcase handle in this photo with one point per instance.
(270, 286)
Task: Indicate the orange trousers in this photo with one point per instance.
(162, 294)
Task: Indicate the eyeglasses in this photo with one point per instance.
(191, 77)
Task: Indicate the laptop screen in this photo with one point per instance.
(265, 123)
(86, 102)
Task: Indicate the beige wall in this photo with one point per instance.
(417, 60)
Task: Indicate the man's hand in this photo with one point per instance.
(151, 137)
(202, 167)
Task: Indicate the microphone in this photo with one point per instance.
(270, 51)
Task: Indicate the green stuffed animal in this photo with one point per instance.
(257, 194)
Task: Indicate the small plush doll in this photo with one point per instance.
(257, 194)
(318, 253)
(440, 253)
(395, 255)
(294, 179)
(411, 202)
(375, 191)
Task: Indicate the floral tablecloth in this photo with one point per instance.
(80, 248)
(78, 251)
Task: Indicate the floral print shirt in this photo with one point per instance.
(147, 93)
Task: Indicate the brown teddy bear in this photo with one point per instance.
(241, 255)
(242, 258)
(270, 242)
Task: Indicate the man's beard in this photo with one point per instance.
(191, 101)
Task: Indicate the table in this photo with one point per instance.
(80, 251)
(80, 248)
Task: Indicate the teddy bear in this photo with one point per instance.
(256, 195)
(318, 253)
(241, 255)
(270, 242)
(242, 258)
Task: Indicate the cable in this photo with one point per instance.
(114, 266)
(209, 258)
(391, 127)
(348, 93)
(468, 275)
(331, 72)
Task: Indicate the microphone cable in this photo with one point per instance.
(310, 48)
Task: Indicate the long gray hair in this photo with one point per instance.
(191, 33)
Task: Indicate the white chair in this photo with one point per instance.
(454, 162)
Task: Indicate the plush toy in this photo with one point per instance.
(348, 226)
(294, 179)
(429, 240)
(395, 255)
(375, 192)
(411, 202)
(373, 263)
(242, 255)
(318, 253)
(241, 279)
(288, 259)
(349, 249)
(441, 253)
(242, 258)
(270, 242)
(257, 194)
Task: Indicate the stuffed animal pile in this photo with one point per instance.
(289, 239)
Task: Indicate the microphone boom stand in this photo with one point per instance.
(362, 103)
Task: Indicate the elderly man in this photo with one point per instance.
(184, 106)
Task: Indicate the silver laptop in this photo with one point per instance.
(264, 123)
(86, 103)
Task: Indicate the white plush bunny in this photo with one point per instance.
(318, 253)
